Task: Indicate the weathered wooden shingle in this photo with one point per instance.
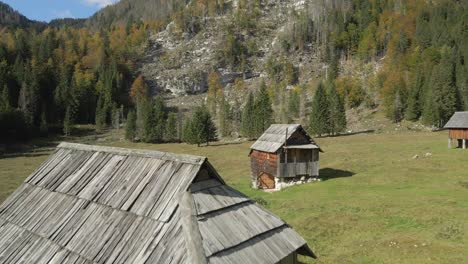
(458, 120)
(275, 137)
(90, 204)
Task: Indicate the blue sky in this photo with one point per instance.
(45, 10)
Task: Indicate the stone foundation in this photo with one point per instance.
(282, 183)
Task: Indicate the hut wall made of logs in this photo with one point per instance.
(458, 130)
(284, 155)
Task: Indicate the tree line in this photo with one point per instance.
(419, 45)
(52, 79)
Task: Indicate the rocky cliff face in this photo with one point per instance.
(179, 63)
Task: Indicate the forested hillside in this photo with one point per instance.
(259, 61)
(56, 77)
(130, 11)
(11, 17)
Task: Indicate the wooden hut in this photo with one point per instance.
(458, 129)
(282, 156)
(92, 204)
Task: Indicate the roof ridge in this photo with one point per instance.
(185, 158)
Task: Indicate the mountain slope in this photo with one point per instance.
(11, 17)
(126, 11)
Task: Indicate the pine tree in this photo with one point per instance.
(248, 117)
(101, 115)
(263, 111)
(43, 128)
(201, 128)
(171, 128)
(294, 103)
(68, 122)
(319, 121)
(443, 88)
(187, 131)
(148, 134)
(159, 116)
(337, 111)
(224, 118)
(413, 110)
(130, 127)
(5, 100)
(25, 103)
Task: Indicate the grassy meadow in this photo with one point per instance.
(376, 203)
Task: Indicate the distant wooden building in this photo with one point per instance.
(282, 156)
(93, 204)
(458, 129)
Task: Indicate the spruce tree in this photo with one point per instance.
(263, 111)
(148, 133)
(159, 115)
(25, 103)
(248, 117)
(337, 111)
(201, 128)
(224, 118)
(44, 128)
(5, 100)
(444, 89)
(319, 121)
(413, 110)
(187, 131)
(171, 128)
(68, 122)
(130, 126)
(294, 104)
(101, 115)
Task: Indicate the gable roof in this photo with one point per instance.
(458, 120)
(275, 136)
(90, 204)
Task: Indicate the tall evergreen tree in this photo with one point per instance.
(68, 123)
(413, 110)
(337, 111)
(248, 117)
(159, 114)
(171, 128)
(444, 89)
(130, 126)
(101, 115)
(319, 121)
(294, 104)
(224, 118)
(263, 110)
(201, 128)
(26, 105)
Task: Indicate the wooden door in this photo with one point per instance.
(266, 181)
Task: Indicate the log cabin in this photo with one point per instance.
(284, 155)
(94, 204)
(458, 130)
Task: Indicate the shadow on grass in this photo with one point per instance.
(370, 131)
(329, 173)
(220, 144)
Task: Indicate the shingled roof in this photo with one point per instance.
(90, 204)
(275, 136)
(458, 120)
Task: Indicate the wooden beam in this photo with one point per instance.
(193, 238)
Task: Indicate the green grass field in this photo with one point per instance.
(376, 205)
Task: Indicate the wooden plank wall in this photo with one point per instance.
(458, 133)
(263, 162)
(301, 162)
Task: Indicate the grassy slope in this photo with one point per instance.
(394, 209)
